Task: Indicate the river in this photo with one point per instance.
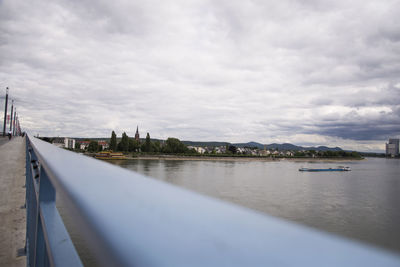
(361, 204)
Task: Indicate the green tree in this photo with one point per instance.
(192, 151)
(133, 146)
(299, 154)
(77, 145)
(146, 147)
(156, 147)
(173, 145)
(113, 141)
(137, 145)
(232, 149)
(123, 145)
(93, 146)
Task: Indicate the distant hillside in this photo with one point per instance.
(285, 146)
(325, 148)
(250, 144)
(204, 144)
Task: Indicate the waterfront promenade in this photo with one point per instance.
(12, 198)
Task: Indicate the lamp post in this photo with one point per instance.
(11, 120)
(5, 114)
(15, 116)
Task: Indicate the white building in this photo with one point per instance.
(265, 152)
(84, 145)
(220, 149)
(198, 149)
(69, 143)
(104, 145)
(289, 154)
(64, 142)
(240, 150)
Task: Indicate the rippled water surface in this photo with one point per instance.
(363, 204)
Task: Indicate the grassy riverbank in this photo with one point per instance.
(237, 158)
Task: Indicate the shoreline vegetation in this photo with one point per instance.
(236, 158)
(228, 158)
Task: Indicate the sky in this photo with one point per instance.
(303, 72)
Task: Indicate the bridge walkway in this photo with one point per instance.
(12, 198)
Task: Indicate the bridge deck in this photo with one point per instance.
(12, 197)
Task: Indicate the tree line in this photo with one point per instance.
(172, 145)
(129, 144)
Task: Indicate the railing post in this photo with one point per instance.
(31, 202)
(27, 191)
(47, 195)
(40, 253)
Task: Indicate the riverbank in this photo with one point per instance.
(214, 158)
(230, 158)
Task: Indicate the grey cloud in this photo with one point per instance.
(354, 126)
(388, 95)
(321, 101)
(229, 70)
(355, 131)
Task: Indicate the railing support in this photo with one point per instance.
(47, 241)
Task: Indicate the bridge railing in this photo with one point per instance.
(128, 219)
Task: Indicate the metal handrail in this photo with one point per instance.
(47, 240)
(128, 219)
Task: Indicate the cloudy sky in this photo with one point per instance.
(305, 72)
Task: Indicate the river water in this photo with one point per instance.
(362, 204)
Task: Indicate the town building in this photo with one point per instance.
(69, 143)
(392, 148)
(220, 149)
(240, 150)
(275, 153)
(104, 145)
(84, 145)
(265, 152)
(198, 149)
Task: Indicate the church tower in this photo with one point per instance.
(137, 134)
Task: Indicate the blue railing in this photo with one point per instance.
(128, 219)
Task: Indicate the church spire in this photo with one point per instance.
(137, 138)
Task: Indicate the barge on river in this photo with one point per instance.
(337, 169)
(108, 155)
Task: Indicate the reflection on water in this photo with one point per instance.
(361, 204)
